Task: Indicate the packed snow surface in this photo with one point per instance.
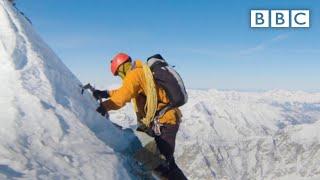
(48, 130)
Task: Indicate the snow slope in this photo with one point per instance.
(48, 130)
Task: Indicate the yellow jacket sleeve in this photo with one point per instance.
(128, 90)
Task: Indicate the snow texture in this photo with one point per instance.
(48, 129)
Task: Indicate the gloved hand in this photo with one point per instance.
(97, 94)
(102, 111)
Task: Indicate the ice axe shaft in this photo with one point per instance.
(87, 86)
(91, 88)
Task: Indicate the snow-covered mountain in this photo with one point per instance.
(269, 135)
(48, 130)
(239, 135)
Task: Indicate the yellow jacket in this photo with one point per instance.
(134, 87)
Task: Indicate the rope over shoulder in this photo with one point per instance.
(151, 93)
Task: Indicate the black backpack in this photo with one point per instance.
(167, 77)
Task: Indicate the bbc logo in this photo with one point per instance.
(280, 18)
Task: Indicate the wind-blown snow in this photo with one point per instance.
(48, 130)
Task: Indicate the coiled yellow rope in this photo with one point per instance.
(151, 94)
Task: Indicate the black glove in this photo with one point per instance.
(101, 110)
(100, 94)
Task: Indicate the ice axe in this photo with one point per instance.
(87, 86)
(91, 88)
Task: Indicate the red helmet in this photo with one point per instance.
(118, 60)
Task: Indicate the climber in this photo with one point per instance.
(136, 87)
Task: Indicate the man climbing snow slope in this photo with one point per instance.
(152, 105)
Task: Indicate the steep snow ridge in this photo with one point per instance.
(48, 129)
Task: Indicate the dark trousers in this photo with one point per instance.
(166, 144)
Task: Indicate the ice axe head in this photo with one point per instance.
(87, 86)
